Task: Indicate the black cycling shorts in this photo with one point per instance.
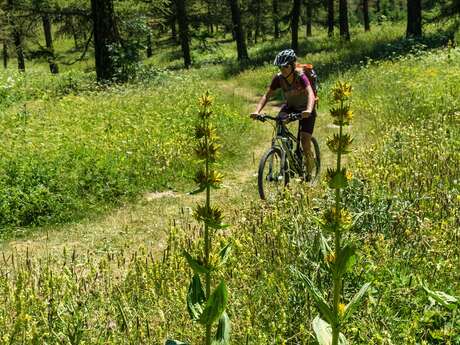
(305, 125)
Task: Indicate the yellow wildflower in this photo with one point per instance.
(330, 258)
(341, 91)
(341, 310)
(205, 100)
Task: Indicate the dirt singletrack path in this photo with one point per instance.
(146, 222)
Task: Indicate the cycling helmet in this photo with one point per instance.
(285, 58)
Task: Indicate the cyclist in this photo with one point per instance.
(299, 97)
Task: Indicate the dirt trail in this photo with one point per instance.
(146, 222)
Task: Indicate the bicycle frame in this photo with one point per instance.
(283, 140)
(290, 161)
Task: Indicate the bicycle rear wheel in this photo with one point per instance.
(317, 159)
(272, 176)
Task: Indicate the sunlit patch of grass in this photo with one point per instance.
(73, 145)
(405, 190)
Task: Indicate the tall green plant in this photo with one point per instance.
(336, 221)
(204, 306)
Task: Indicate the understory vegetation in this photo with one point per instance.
(94, 145)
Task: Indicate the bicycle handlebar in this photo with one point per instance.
(289, 118)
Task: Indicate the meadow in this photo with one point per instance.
(73, 149)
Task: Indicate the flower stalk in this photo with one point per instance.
(335, 222)
(207, 306)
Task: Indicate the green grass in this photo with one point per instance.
(405, 189)
(73, 147)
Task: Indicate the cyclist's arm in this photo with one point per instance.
(311, 100)
(265, 98)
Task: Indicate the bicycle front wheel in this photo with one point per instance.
(272, 176)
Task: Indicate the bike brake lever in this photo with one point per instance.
(260, 118)
(296, 116)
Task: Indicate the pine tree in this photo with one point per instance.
(295, 25)
(183, 31)
(238, 31)
(343, 19)
(414, 18)
(105, 36)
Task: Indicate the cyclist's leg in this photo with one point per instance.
(306, 127)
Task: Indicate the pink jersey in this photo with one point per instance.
(295, 94)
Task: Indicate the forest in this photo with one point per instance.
(135, 200)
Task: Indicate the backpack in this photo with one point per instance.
(310, 73)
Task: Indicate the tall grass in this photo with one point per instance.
(71, 147)
(405, 189)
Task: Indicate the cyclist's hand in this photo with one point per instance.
(305, 114)
(254, 115)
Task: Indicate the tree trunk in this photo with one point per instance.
(239, 32)
(367, 26)
(49, 44)
(183, 31)
(295, 25)
(149, 51)
(276, 23)
(105, 35)
(343, 13)
(330, 18)
(19, 51)
(309, 12)
(377, 6)
(414, 18)
(209, 19)
(258, 17)
(5, 54)
(16, 39)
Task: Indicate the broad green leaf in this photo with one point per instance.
(194, 264)
(175, 342)
(215, 305)
(353, 304)
(447, 301)
(195, 298)
(346, 259)
(223, 254)
(323, 332)
(338, 180)
(223, 331)
(320, 301)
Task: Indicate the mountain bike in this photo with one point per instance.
(285, 158)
